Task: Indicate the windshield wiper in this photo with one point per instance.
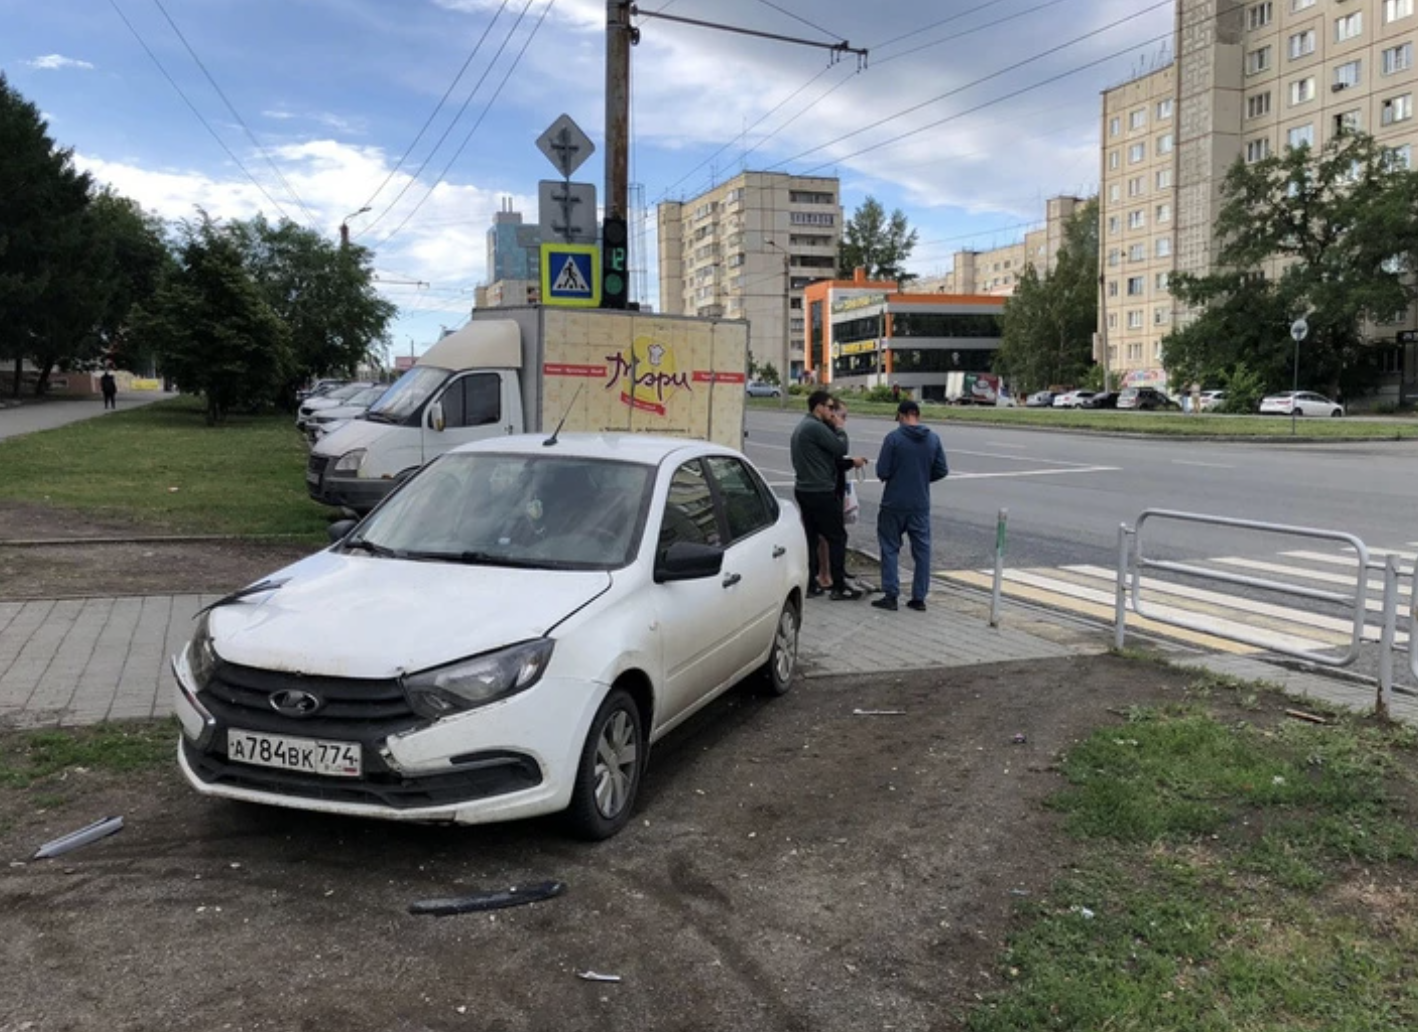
(377, 417)
(475, 558)
(237, 596)
(369, 546)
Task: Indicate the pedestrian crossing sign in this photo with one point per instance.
(571, 275)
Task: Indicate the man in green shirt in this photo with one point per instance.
(818, 455)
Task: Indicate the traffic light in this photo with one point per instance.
(615, 263)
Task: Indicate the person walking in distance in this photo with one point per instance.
(109, 387)
(818, 456)
(912, 458)
(837, 420)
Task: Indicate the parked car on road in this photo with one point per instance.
(759, 389)
(319, 387)
(506, 635)
(1147, 398)
(1211, 400)
(323, 421)
(330, 399)
(1071, 399)
(1039, 399)
(1300, 403)
(1102, 400)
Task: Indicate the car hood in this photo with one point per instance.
(362, 616)
(357, 433)
(340, 412)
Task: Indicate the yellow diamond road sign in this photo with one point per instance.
(571, 275)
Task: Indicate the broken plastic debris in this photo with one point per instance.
(494, 900)
(1019, 739)
(594, 976)
(878, 713)
(82, 837)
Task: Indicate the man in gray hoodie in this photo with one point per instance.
(818, 454)
(912, 458)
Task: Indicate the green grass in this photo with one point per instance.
(27, 757)
(1159, 424)
(161, 465)
(1234, 876)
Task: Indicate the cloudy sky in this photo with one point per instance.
(967, 116)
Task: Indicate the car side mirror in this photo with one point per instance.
(435, 416)
(685, 560)
(340, 528)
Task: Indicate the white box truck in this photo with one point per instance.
(524, 370)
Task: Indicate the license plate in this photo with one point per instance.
(305, 755)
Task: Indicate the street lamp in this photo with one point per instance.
(786, 371)
(345, 225)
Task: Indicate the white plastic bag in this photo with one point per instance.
(850, 505)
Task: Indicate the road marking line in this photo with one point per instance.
(1011, 458)
(1033, 473)
(1296, 571)
(1215, 624)
(1001, 444)
(1407, 556)
(1104, 614)
(1285, 614)
(1347, 560)
(1208, 465)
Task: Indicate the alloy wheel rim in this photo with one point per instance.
(785, 647)
(616, 755)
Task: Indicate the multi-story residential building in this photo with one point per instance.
(738, 250)
(997, 271)
(1250, 79)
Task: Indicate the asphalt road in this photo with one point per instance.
(1067, 493)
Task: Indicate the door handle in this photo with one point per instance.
(779, 551)
(731, 580)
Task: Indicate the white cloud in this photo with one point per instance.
(54, 62)
(348, 126)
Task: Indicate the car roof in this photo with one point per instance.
(646, 449)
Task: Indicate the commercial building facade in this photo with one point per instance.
(1249, 79)
(739, 250)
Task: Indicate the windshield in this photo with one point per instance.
(349, 390)
(545, 511)
(368, 396)
(408, 394)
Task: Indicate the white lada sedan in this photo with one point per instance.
(505, 636)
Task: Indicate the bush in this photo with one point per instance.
(1244, 390)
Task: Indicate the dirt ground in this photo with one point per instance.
(791, 865)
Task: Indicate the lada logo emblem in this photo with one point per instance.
(294, 703)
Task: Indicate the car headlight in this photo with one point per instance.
(350, 461)
(202, 658)
(474, 682)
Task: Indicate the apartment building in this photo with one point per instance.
(736, 250)
(996, 272)
(1249, 79)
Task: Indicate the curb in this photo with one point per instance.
(173, 539)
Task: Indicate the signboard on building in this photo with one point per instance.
(851, 304)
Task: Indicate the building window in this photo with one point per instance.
(1135, 350)
(1115, 125)
(1164, 109)
(1399, 157)
(1113, 224)
(1164, 213)
(1258, 61)
(1301, 136)
(1164, 143)
(1137, 253)
(1300, 5)
(1396, 59)
(1137, 219)
(1164, 247)
(1257, 150)
(1163, 281)
(1164, 178)
(1137, 119)
(1114, 256)
(1302, 90)
(1346, 122)
(1258, 15)
(1112, 320)
(1113, 159)
(1258, 105)
(1137, 185)
(1348, 27)
(1396, 109)
(1161, 316)
(1136, 153)
(1115, 192)
(1347, 75)
(811, 218)
(1396, 9)
(1301, 44)
(1136, 285)
(810, 197)
(1112, 288)
(1135, 319)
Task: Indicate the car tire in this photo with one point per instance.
(608, 775)
(1297, 412)
(775, 677)
(1336, 414)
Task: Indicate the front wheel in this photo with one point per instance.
(1296, 412)
(776, 675)
(1336, 413)
(608, 775)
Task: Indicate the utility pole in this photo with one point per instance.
(345, 225)
(784, 374)
(620, 37)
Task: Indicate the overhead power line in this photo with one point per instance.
(290, 190)
(799, 19)
(439, 106)
(193, 108)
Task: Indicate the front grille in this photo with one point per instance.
(315, 471)
(480, 777)
(361, 709)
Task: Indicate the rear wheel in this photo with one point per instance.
(1336, 413)
(776, 675)
(1297, 412)
(608, 776)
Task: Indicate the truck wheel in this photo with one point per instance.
(608, 775)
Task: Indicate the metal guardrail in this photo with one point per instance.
(1133, 563)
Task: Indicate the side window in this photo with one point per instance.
(474, 400)
(744, 505)
(689, 509)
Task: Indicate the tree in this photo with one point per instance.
(323, 293)
(212, 328)
(877, 244)
(42, 202)
(1049, 320)
(1330, 235)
